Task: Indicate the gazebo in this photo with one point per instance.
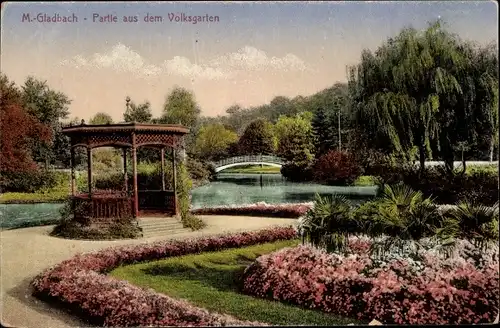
(116, 204)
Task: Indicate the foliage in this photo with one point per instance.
(101, 118)
(479, 185)
(210, 280)
(19, 130)
(297, 172)
(337, 168)
(74, 230)
(180, 108)
(325, 122)
(48, 107)
(258, 138)
(327, 224)
(425, 89)
(294, 136)
(79, 283)
(137, 113)
(213, 141)
(198, 171)
(399, 218)
(31, 181)
(259, 209)
(474, 221)
(184, 186)
(428, 290)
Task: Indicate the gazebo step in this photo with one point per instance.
(170, 225)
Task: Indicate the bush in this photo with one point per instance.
(74, 224)
(259, 209)
(479, 185)
(428, 290)
(400, 213)
(197, 170)
(296, 172)
(79, 283)
(109, 231)
(336, 168)
(30, 182)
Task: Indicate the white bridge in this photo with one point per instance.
(247, 160)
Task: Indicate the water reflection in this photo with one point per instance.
(230, 189)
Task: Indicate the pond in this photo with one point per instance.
(228, 189)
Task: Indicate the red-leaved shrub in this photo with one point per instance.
(259, 209)
(337, 168)
(80, 283)
(400, 291)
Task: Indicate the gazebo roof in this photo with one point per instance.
(86, 129)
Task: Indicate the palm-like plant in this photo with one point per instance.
(473, 221)
(329, 223)
(405, 216)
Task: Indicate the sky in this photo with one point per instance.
(242, 53)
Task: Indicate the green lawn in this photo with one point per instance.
(209, 280)
(36, 197)
(253, 169)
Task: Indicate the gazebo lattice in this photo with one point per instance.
(102, 204)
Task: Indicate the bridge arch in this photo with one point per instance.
(247, 160)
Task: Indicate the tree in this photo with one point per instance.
(101, 119)
(138, 113)
(48, 107)
(181, 108)
(295, 139)
(418, 90)
(213, 141)
(19, 128)
(258, 138)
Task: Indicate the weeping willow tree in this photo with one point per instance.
(425, 89)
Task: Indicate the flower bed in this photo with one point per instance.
(80, 283)
(429, 290)
(258, 209)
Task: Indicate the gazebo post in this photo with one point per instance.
(72, 166)
(174, 180)
(89, 169)
(125, 168)
(162, 169)
(134, 168)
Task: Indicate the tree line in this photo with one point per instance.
(422, 95)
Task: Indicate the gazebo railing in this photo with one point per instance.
(116, 205)
(157, 200)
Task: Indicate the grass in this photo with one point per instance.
(253, 169)
(210, 280)
(55, 196)
(365, 180)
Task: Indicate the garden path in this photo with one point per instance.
(24, 253)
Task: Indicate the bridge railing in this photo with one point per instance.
(249, 159)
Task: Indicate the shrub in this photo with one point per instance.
(429, 290)
(30, 182)
(477, 186)
(197, 170)
(259, 209)
(193, 222)
(337, 168)
(296, 172)
(328, 223)
(79, 283)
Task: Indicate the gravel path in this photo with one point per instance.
(24, 253)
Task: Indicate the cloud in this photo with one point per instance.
(123, 59)
(250, 58)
